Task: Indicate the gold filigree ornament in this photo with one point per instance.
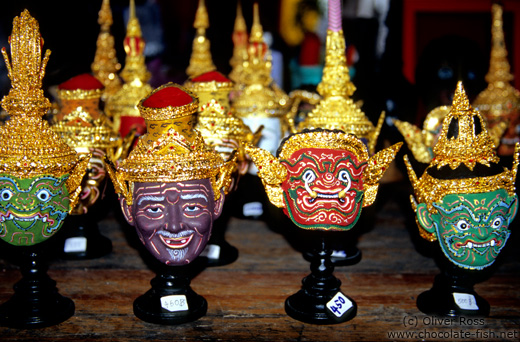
(337, 110)
(105, 65)
(217, 124)
(257, 95)
(272, 172)
(500, 99)
(421, 142)
(28, 146)
(81, 123)
(200, 60)
(134, 74)
(464, 146)
(171, 150)
(239, 38)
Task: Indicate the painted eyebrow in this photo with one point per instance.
(193, 196)
(150, 198)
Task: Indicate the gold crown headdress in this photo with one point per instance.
(273, 173)
(215, 120)
(171, 150)
(337, 110)
(105, 66)
(239, 45)
(134, 74)
(500, 98)
(421, 142)
(81, 123)
(200, 60)
(258, 96)
(465, 160)
(28, 146)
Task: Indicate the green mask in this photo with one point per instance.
(471, 229)
(32, 209)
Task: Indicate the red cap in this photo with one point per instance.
(211, 76)
(82, 81)
(168, 96)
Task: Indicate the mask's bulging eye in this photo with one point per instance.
(497, 223)
(43, 195)
(344, 176)
(6, 194)
(462, 225)
(308, 176)
(192, 208)
(154, 210)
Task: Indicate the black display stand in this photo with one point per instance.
(218, 251)
(156, 305)
(440, 299)
(315, 303)
(82, 239)
(36, 302)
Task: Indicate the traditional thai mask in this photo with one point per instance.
(173, 220)
(93, 184)
(32, 209)
(471, 229)
(322, 178)
(465, 199)
(40, 175)
(172, 185)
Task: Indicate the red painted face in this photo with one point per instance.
(324, 188)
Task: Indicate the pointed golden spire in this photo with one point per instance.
(257, 32)
(239, 45)
(464, 138)
(200, 60)
(500, 99)
(337, 110)
(135, 74)
(28, 146)
(105, 66)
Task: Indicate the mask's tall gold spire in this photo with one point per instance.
(337, 110)
(239, 45)
(135, 67)
(135, 74)
(105, 66)
(200, 60)
(28, 146)
(500, 99)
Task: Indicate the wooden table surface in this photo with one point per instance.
(246, 298)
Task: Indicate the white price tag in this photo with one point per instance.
(253, 209)
(75, 244)
(339, 304)
(211, 252)
(465, 301)
(174, 303)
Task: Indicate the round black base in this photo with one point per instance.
(83, 232)
(311, 309)
(452, 295)
(148, 308)
(226, 254)
(31, 313)
(441, 302)
(171, 300)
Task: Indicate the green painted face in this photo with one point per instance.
(471, 229)
(32, 209)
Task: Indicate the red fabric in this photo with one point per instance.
(211, 76)
(129, 122)
(82, 81)
(168, 96)
(310, 50)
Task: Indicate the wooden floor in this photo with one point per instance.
(246, 298)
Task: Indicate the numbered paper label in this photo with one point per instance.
(339, 304)
(75, 244)
(252, 209)
(211, 252)
(465, 301)
(174, 303)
